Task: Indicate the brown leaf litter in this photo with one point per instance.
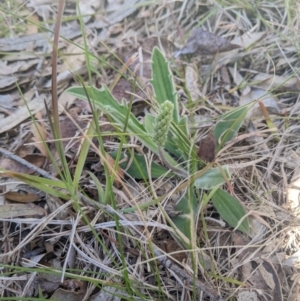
(236, 61)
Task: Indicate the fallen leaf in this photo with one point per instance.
(281, 83)
(247, 296)
(277, 290)
(65, 101)
(23, 112)
(207, 148)
(32, 261)
(107, 293)
(32, 24)
(12, 165)
(8, 211)
(162, 43)
(17, 66)
(269, 101)
(124, 89)
(21, 198)
(61, 294)
(168, 244)
(204, 42)
(249, 38)
(72, 284)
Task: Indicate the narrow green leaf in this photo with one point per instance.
(82, 156)
(229, 124)
(138, 167)
(52, 187)
(230, 210)
(162, 81)
(149, 122)
(189, 205)
(214, 177)
(119, 113)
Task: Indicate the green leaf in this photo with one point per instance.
(170, 146)
(149, 123)
(189, 205)
(230, 210)
(229, 124)
(110, 106)
(162, 82)
(118, 113)
(214, 177)
(53, 187)
(138, 167)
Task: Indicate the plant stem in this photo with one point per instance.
(178, 171)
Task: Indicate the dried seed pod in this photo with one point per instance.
(207, 148)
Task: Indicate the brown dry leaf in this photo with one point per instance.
(15, 67)
(249, 38)
(15, 210)
(249, 274)
(32, 27)
(247, 296)
(162, 43)
(32, 261)
(65, 101)
(207, 148)
(225, 75)
(166, 242)
(269, 101)
(282, 83)
(72, 284)
(142, 66)
(21, 114)
(204, 42)
(35, 159)
(268, 278)
(21, 198)
(73, 64)
(277, 291)
(55, 263)
(39, 284)
(61, 294)
(7, 81)
(107, 293)
(124, 89)
(12, 165)
(294, 294)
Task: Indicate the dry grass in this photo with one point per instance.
(110, 248)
